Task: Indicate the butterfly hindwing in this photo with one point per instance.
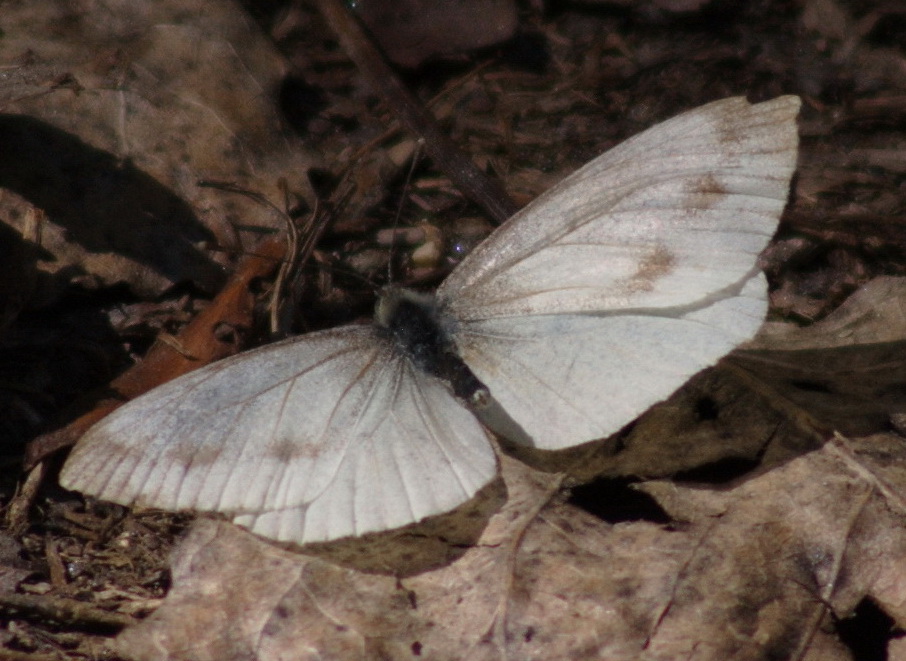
(566, 379)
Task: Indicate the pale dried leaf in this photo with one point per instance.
(873, 314)
(164, 96)
(827, 17)
(752, 574)
(846, 371)
(412, 31)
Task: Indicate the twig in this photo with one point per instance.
(67, 612)
(474, 184)
(812, 623)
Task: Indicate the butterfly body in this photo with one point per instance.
(587, 307)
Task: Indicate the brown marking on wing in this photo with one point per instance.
(186, 454)
(287, 449)
(656, 264)
(727, 127)
(704, 192)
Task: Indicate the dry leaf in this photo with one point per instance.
(874, 314)
(848, 369)
(753, 574)
(412, 31)
(158, 99)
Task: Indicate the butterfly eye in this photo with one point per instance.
(481, 398)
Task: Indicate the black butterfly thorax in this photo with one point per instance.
(414, 325)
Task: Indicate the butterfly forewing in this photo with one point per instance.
(667, 218)
(318, 437)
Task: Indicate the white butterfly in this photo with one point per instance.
(593, 303)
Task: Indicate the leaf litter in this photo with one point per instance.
(770, 562)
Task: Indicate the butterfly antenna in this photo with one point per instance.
(303, 240)
(416, 155)
(291, 261)
(299, 243)
(254, 196)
